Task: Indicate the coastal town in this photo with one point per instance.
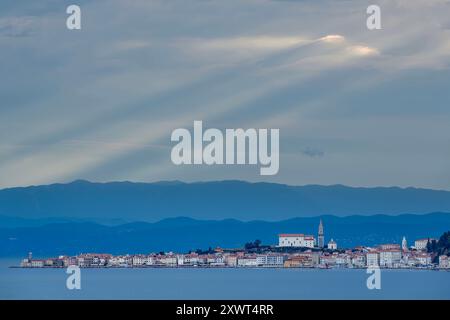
(292, 251)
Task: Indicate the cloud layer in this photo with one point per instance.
(353, 106)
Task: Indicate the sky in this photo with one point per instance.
(354, 106)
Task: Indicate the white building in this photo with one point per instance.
(359, 260)
(231, 260)
(328, 260)
(138, 260)
(423, 259)
(37, 263)
(123, 260)
(219, 260)
(180, 259)
(270, 260)
(191, 259)
(372, 258)
(342, 259)
(390, 258)
(247, 261)
(168, 260)
(421, 244)
(296, 240)
(149, 260)
(332, 245)
(309, 242)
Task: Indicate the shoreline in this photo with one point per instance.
(226, 267)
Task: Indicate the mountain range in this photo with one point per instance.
(118, 202)
(182, 234)
(128, 217)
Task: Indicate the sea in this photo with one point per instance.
(221, 283)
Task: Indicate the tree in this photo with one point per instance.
(253, 245)
(432, 246)
(440, 247)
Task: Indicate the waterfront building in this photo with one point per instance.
(320, 236)
(138, 260)
(270, 260)
(37, 263)
(247, 261)
(303, 259)
(293, 262)
(444, 262)
(180, 259)
(315, 257)
(191, 259)
(149, 260)
(328, 260)
(113, 262)
(81, 262)
(358, 260)
(231, 260)
(342, 260)
(121, 260)
(298, 262)
(390, 258)
(423, 259)
(410, 260)
(169, 260)
(372, 258)
(25, 263)
(70, 261)
(219, 260)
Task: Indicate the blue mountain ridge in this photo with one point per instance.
(182, 234)
(129, 201)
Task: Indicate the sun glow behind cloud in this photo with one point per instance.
(333, 38)
(363, 51)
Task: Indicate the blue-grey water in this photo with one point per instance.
(150, 283)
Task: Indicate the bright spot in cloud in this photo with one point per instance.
(333, 38)
(363, 51)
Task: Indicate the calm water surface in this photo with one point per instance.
(220, 284)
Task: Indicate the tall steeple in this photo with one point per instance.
(321, 239)
(404, 244)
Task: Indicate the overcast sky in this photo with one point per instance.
(354, 106)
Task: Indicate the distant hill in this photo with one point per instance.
(212, 200)
(182, 234)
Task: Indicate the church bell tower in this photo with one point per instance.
(321, 239)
